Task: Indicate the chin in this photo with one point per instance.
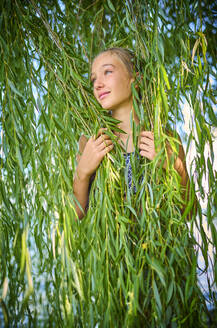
(107, 107)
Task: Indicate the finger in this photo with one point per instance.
(146, 147)
(107, 149)
(108, 142)
(104, 144)
(148, 134)
(143, 153)
(100, 132)
(146, 154)
(102, 139)
(146, 141)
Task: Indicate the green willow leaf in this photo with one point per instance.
(155, 265)
(111, 5)
(157, 297)
(13, 88)
(133, 259)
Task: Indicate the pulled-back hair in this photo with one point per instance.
(127, 57)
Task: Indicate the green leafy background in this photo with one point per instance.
(132, 261)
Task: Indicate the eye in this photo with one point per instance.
(92, 81)
(107, 71)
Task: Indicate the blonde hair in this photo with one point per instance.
(125, 55)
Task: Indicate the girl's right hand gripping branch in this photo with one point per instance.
(93, 153)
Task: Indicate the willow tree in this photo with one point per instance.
(132, 261)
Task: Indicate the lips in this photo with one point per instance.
(103, 94)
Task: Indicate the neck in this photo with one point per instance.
(123, 115)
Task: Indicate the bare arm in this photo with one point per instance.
(91, 153)
(81, 182)
(147, 149)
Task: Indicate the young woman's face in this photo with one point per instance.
(111, 82)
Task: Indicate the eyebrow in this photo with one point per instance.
(104, 66)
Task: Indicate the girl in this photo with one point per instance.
(112, 75)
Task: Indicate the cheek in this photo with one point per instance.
(128, 90)
(126, 83)
(94, 92)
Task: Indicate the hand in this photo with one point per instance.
(146, 145)
(94, 151)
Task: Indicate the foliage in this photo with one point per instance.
(132, 261)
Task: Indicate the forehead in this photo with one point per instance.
(105, 59)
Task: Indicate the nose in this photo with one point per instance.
(99, 83)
